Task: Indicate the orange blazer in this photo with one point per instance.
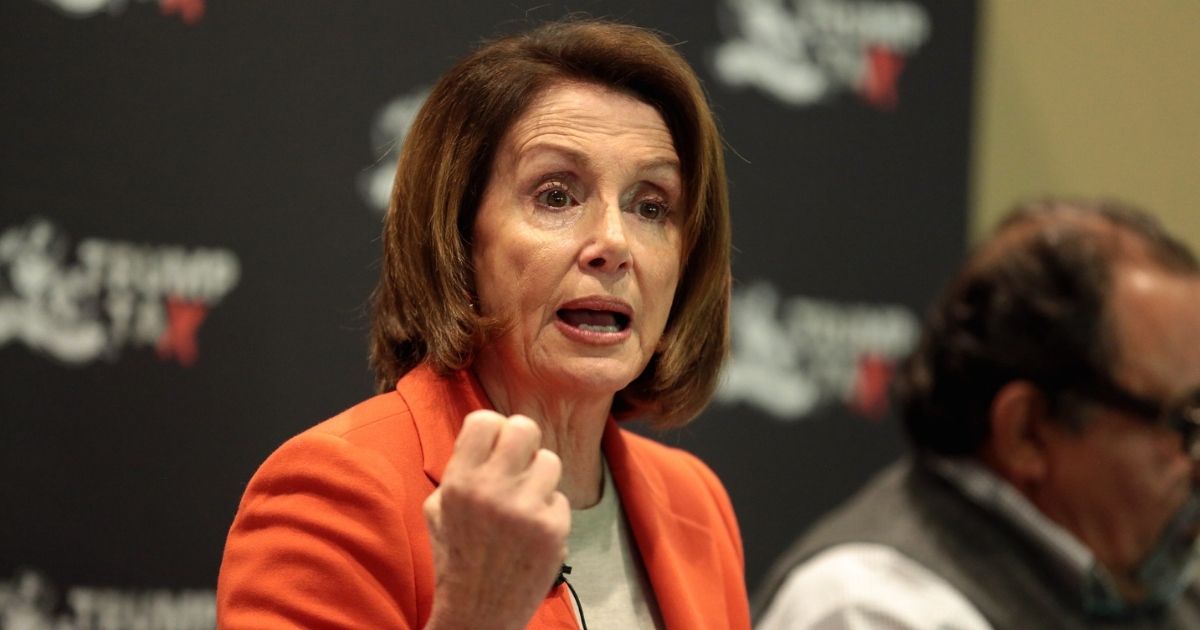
(330, 532)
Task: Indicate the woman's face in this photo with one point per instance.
(576, 243)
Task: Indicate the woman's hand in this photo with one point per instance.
(498, 525)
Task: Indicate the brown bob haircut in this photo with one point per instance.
(423, 304)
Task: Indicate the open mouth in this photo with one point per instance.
(594, 320)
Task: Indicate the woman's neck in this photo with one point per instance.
(572, 428)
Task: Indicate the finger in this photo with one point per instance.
(519, 439)
(560, 508)
(433, 510)
(477, 437)
(544, 474)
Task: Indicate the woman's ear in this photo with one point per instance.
(1014, 448)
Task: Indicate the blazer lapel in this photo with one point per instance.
(677, 552)
(438, 405)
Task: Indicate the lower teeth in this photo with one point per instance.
(598, 328)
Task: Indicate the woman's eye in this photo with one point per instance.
(651, 210)
(554, 198)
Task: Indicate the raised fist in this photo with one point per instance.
(498, 525)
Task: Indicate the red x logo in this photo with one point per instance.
(179, 339)
(190, 11)
(878, 85)
(871, 387)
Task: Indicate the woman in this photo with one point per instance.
(556, 256)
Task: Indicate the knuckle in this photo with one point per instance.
(548, 465)
(432, 507)
(523, 421)
(550, 459)
(456, 493)
(556, 518)
(482, 416)
(524, 428)
(480, 421)
(558, 531)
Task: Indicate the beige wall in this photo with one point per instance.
(1089, 98)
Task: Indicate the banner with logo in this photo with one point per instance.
(190, 197)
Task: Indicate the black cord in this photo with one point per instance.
(578, 606)
(563, 572)
(562, 579)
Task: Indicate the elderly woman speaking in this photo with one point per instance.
(556, 258)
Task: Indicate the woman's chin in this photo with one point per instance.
(592, 376)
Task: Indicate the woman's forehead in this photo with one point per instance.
(574, 113)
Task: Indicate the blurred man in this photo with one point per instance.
(1053, 406)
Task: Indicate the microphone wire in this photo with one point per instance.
(562, 579)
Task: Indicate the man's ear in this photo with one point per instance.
(1014, 448)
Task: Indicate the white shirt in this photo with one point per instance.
(863, 586)
(606, 570)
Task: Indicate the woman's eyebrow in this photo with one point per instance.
(537, 148)
(670, 165)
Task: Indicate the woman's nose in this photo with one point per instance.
(608, 249)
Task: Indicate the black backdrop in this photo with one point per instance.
(188, 238)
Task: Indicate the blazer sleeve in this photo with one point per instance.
(322, 538)
(728, 537)
(724, 507)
